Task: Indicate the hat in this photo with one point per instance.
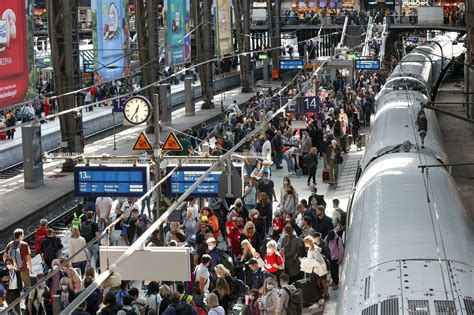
(267, 162)
(204, 218)
(211, 240)
(252, 261)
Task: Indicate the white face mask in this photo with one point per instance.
(211, 247)
(269, 251)
(270, 286)
(64, 287)
(55, 267)
(9, 267)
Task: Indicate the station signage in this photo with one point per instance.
(303, 104)
(367, 64)
(412, 38)
(111, 181)
(184, 177)
(291, 64)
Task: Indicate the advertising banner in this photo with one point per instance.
(224, 27)
(111, 39)
(17, 78)
(177, 39)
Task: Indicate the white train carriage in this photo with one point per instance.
(410, 246)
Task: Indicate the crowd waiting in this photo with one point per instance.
(263, 253)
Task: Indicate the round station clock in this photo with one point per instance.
(137, 110)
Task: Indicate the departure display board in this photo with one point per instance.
(185, 176)
(111, 181)
(291, 64)
(367, 64)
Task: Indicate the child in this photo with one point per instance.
(254, 302)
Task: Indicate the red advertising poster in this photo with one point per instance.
(13, 52)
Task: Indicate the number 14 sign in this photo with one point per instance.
(304, 104)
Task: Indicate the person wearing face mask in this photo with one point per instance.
(13, 282)
(259, 222)
(289, 201)
(213, 251)
(53, 282)
(202, 276)
(231, 222)
(250, 194)
(233, 237)
(286, 184)
(270, 299)
(66, 294)
(264, 208)
(316, 200)
(277, 225)
(35, 298)
(323, 223)
(273, 261)
(267, 186)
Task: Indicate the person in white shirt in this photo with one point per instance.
(202, 278)
(127, 204)
(267, 149)
(103, 205)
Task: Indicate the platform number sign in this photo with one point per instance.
(308, 104)
(291, 108)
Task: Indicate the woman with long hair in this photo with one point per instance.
(223, 292)
(213, 221)
(213, 304)
(248, 252)
(291, 253)
(289, 201)
(251, 235)
(76, 243)
(270, 298)
(318, 266)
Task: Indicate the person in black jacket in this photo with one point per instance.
(13, 283)
(50, 247)
(323, 223)
(311, 160)
(94, 299)
(318, 198)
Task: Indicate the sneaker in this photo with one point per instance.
(321, 302)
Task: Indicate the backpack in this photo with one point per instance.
(226, 260)
(50, 251)
(77, 221)
(295, 302)
(86, 231)
(240, 288)
(129, 312)
(15, 253)
(184, 309)
(343, 218)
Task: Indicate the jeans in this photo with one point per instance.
(94, 254)
(146, 203)
(81, 265)
(289, 163)
(249, 169)
(333, 172)
(312, 174)
(278, 158)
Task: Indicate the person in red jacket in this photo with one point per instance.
(40, 235)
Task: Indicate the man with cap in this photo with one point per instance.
(213, 251)
(259, 274)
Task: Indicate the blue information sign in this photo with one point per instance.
(412, 38)
(185, 176)
(110, 181)
(367, 64)
(291, 64)
(118, 104)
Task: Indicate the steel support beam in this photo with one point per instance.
(242, 16)
(204, 51)
(64, 37)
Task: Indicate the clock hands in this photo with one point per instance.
(135, 114)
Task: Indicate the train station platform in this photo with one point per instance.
(19, 205)
(100, 118)
(459, 140)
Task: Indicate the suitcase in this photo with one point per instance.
(239, 309)
(311, 293)
(325, 175)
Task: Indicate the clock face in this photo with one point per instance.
(137, 110)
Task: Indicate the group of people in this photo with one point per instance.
(247, 253)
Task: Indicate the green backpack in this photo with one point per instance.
(77, 221)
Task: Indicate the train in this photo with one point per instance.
(409, 239)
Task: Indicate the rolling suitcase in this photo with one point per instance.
(311, 293)
(325, 175)
(239, 309)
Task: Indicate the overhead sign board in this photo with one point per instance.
(412, 38)
(367, 64)
(142, 143)
(185, 176)
(304, 104)
(172, 143)
(291, 64)
(111, 181)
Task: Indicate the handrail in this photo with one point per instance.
(343, 36)
(368, 37)
(384, 40)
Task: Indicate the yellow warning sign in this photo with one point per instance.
(142, 143)
(172, 143)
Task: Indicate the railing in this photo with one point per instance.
(343, 36)
(368, 37)
(384, 40)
